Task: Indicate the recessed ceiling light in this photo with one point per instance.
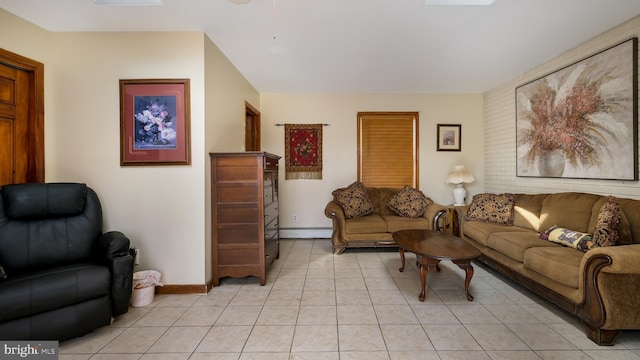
(459, 2)
(239, 2)
(128, 2)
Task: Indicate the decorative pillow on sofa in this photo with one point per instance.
(612, 226)
(409, 202)
(570, 238)
(354, 200)
(492, 208)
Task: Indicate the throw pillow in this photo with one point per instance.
(570, 238)
(607, 231)
(409, 202)
(492, 208)
(354, 200)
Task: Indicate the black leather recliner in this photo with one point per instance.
(60, 276)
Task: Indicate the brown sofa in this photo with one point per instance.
(376, 229)
(601, 285)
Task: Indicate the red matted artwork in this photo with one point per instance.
(154, 122)
(303, 151)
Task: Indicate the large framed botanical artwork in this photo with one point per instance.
(581, 121)
(155, 122)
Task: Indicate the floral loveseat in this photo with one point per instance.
(368, 216)
(579, 251)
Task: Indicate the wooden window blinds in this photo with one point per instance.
(388, 149)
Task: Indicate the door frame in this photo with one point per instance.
(252, 139)
(35, 72)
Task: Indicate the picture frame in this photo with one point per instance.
(581, 121)
(449, 137)
(155, 124)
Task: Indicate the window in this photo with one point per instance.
(388, 149)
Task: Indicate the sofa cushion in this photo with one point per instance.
(397, 223)
(368, 224)
(409, 202)
(492, 208)
(514, 244)
(569, 238)
(526, 211)
(354, 200)
(631, 210)
(567, 210)
(384, 195)
(480, 231)
(562, 264)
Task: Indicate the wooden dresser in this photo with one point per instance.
(244, 214)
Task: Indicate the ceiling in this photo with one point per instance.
(359, 46)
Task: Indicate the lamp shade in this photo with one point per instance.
(459, 175)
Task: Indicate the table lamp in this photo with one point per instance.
(459, 176)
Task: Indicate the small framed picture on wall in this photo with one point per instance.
(449, 136)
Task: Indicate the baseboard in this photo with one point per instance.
(305, 233)
(182, 289)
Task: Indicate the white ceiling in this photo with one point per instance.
(346, 46)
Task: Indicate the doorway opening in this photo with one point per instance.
(251, 128)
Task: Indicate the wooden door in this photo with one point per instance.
(21, 120)
(251, 128)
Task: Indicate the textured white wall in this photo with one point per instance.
(500, 128)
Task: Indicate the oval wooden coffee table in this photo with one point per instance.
(431, 247)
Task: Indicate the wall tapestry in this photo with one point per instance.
(303, 151)
(581, 121)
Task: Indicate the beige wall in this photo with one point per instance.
(160, 208)
(163, 209)
(500, 128)
(307, 198)
(225, 96)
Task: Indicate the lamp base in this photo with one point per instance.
(459, 193)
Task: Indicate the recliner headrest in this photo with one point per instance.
(43, 200)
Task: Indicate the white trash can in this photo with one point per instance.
(144, 287)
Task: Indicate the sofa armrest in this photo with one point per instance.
(625, 259)
(336, 214)
(437, 215)
(610, 277)
(114, 248)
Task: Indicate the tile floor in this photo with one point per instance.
(353, 306)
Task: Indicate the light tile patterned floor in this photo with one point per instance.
(353, 306)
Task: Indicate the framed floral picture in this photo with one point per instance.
(449, 137)
(154, 122)
(581, 121)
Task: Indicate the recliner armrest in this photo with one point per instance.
(113, 244)
(114, 250)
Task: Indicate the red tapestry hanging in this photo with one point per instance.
(303, 151)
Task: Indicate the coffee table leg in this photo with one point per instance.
(423, 280)
(402, 258)
(466, 266)
(425, 265)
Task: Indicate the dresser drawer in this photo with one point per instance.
(229, 193)
(268, 195)
(238, 214)
(270, 163)
(238, 234)
(271, 213)
(238, 256)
